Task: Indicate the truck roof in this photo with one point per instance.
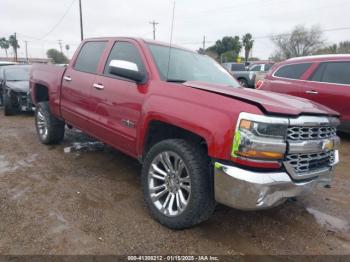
(139, 39)
(320, 58)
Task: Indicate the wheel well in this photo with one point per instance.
(41, 93)
(159, 131)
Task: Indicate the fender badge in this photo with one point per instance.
(128, 123)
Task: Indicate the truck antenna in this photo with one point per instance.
(171, 41)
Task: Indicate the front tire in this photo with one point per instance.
(243, 83)
(177, 184)
(49, 128)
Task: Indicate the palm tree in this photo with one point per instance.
(14, 44)
(248, 43)
(4, 44)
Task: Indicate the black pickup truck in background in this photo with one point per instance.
(14, 89)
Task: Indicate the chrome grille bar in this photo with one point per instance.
(299, 133)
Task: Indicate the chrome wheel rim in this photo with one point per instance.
(169, 184)
(41, 123)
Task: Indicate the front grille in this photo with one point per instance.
(305, 163)
(310, 133)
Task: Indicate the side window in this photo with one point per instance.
(318, 74)
(294, 71)
(127, 52)
(89, 57)
(333, 72)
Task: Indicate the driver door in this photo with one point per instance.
(117, 102)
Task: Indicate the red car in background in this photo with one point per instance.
(323, 79)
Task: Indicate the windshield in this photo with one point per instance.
(189, 66)
(17, 74)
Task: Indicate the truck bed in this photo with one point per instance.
(48, 75)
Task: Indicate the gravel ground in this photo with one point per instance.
(82, 197)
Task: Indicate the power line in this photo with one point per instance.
(269, 36)
(287, 34)
(58, 22)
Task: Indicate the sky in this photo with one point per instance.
(43, 22)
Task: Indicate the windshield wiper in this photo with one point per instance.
(176, 80)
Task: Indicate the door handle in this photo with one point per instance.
(98, 86)
(67, 78)
(312, 92)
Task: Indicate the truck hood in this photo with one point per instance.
(18, 86)
(269, 102)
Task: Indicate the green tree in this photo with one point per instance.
(4, 44)
(56, 56)
(248, 43)
(14, 44)
(227, 49)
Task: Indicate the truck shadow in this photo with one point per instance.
(344, 136)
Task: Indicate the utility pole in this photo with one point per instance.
(26, 42)
(60, 43)
(154, 23)
(81, 22)
(204, 43)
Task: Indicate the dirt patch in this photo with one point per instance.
(82, 197)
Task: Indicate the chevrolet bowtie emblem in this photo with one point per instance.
(328, 145)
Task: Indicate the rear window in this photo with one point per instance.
(89, 57)
(294, 71)
(333, 72)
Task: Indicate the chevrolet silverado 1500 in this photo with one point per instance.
(201, 138)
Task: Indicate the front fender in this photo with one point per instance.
(213, 125)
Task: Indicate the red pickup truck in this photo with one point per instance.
(201, 138)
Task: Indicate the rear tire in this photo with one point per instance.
(196, 201)
(9, 108)
(50, 129)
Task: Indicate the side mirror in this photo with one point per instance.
(127, 70)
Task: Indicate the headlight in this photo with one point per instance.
(260, 138)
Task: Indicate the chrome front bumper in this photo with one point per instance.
(247, 190)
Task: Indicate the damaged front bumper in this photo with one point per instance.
(249, 190)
